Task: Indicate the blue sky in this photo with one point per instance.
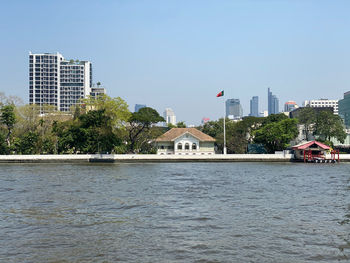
(180, 54)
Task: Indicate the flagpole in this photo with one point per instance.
(225, 150)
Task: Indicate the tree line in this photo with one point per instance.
(97, 125)
(105, 125)
(275, 132)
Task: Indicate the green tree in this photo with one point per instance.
(330, 126)
(115, 108)
(99, 135)
(67, 136)
(91, 132)
(170, 125)
(27, 144)
(8, 118)
(3, 145)
(29, 119)
(274, 118)
(139, 126)
(275, 136)
(307, 117)
(181, 124)
(238, 134)
(214, 128)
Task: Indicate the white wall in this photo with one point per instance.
(186, 138)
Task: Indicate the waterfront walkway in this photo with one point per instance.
(127, 158)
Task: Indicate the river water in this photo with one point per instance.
(178, 212)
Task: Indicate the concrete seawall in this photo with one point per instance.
(141, 158)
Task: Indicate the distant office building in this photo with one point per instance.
(273, 103)
(254, 106)
(234, 109)
(205, 120)
(139, 106)
(321, 103)
(169, 116)
(289, 106)
(97, 91)
(264, 113)
(58, 82)
(344, 109)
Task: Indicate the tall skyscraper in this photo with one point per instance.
(169, 116)
(254, 106)
(139, 106)
(234, 109)
(273, 103)
(58, 82)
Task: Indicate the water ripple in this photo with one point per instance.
(188, 212)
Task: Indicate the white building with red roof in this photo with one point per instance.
(185, 141)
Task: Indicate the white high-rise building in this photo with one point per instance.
(321, 103)
(58, 82)
(169, 116)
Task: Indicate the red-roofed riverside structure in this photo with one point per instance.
(314, 151)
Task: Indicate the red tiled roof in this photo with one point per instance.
(290, 103)
(308, 144)
(174, 133)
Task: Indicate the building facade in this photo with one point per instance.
(185, 141)
(322, 103)
(97, 91)
(234, 109)
(254, 106)
(344, 109)
(289, 106)
(169, 116)
(57, 82)
(273, 103)
(139, 106)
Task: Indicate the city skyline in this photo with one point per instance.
(155, 51)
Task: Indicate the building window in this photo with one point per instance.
(179, 146)
(194, 146)
(187, 146)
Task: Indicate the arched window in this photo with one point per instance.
(187, 146)
(194, 146)
(179, 146)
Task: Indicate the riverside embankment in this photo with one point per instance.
(128, 158)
